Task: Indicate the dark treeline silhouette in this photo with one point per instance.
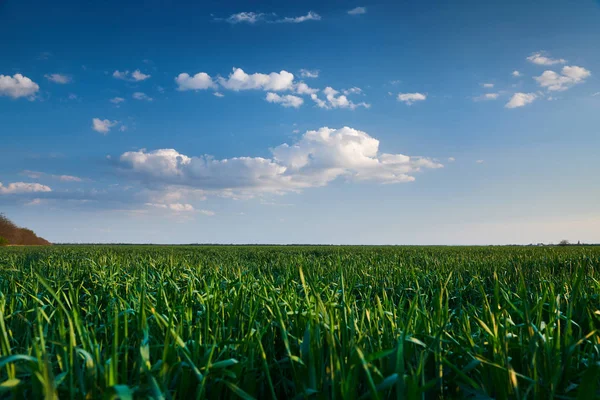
(14, 235)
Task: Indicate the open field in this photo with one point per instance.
(300, 322)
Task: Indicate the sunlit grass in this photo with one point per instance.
(300, 322)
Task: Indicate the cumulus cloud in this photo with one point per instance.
(307, 73)
(275, 81)
(58, 78)
(219, 94)
(317, 158)
(200, 81)
(520, 100)
(141, 96)
(487, 85)
(451, 159)
(336, 100)
(410, 98)
(516, 73)
(540, 58)
(103, 125)
(569, 76)
(23, 187)
(17, 86)
(135, 76)
(117, 100)
(358, 11)
(285, 100)
(303, 88)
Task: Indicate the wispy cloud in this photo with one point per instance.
(358, 11)
(540, 58)
(58, 78)
(251, 17)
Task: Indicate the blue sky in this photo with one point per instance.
(413, 122)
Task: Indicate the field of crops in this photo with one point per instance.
(300, 322)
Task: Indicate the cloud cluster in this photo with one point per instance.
(335, 100)
(317, 158)
(23, 187)
(135, 76)
(275, 81)
(141, 96)
(251, 17)
(410, 98)
(569, 76)
(17, 86)
(239, 80)
(307, 73)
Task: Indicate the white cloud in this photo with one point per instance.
(248, 17)
(103, 125)
(479, 161)
(451, 159)
(251, 17)
(540, 58)
(141, 96)
(569, 76)
(520, 100)
(275, 81)
(311, 16)
(135, 76)
(17, 86)
(358, 11)
(62, 178)
(22, 187)
(285, 100)
(139, 76)
(335, 101)
(307, 73)
(177, 207)
(208, 213)
(58, 78)
(219, 94)
(487, 96)
(200, 81)
(73, 96)
(352, 90)
(516, 73)
(303, 88)
(487, 85)
(316, 159)
(117, 100)
(410, 98)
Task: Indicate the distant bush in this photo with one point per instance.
(3, 241)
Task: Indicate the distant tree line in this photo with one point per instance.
(11, 234)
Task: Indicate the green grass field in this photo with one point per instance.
(300, 322)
